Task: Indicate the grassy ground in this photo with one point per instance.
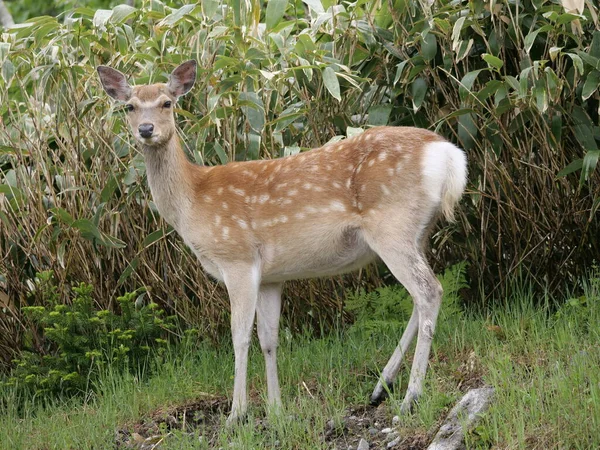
(543, 365)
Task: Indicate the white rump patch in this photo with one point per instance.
(444, 173)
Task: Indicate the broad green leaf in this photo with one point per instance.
(315, 5)
(63, 215)
(590, 161)
(577, 62)
(429, 46)
(121, 13)
(399, 69)
(131, 267)
(153, 237)
(379, 114)
(418, 90)
(253, 108)
(101, 17)
(467, 131)
(221, 153)
(331, 83)
(541, 97)
(572, 167)
(592, 82)
(466, 84)
(493, 61)
(530, 38)
(177, 15)
(275, 11)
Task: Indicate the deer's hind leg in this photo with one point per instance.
(268, 311)
(401, 249)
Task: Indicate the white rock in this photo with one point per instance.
(363, 445)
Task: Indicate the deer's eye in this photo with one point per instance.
(167, 104)
(129, 107)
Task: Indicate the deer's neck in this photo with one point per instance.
(170, 178)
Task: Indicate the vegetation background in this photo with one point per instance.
(513, 83)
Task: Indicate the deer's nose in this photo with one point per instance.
(146, 130)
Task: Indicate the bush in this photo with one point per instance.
(387, 309)
(516, 87)
(74, 341)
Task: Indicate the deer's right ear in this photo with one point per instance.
(114, 82)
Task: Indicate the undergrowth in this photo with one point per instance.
(72, 342)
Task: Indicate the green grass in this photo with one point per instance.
(543, 365)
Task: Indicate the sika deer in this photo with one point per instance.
(254, 225)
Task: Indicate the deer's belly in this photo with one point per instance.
(312, 257)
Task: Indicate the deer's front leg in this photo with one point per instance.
(242, 283)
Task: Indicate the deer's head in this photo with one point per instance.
(150, 107)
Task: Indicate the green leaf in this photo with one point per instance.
(331, 83)
(418, 90)
(429, 46)
(275, 11)
(128, 270)
(590, 161)
(221, 153)
(572, 167)
(153, 237)
(466, 84)
(253, 108)
(101, 17)
(177, 15)
(315, 5)
(530, 38)
(121, 13)
(379, 114)
(592, 82)
(493, 61)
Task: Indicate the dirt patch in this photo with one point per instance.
(203, 417)
(376, 427)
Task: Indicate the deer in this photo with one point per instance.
(254, 225)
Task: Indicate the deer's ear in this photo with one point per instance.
(114, 82)
(182, 79)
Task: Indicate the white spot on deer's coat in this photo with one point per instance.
(336, 205)
(382, 156)
(225, 205)
(225, 232)
(253, 225)
(299, 216)
(242, 223)
(336, 185)
(220, 191)
(371, 162)
(390, 172)
(236, 191)
(208, 198)
(292, 192)
(217, 220)
(311, 209)
(307, 186)
(263, 199)
(283, 219)
(348, 182)
(385, 190)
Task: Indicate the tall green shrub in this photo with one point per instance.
(515, 86)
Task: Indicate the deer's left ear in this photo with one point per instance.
(182, 79)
